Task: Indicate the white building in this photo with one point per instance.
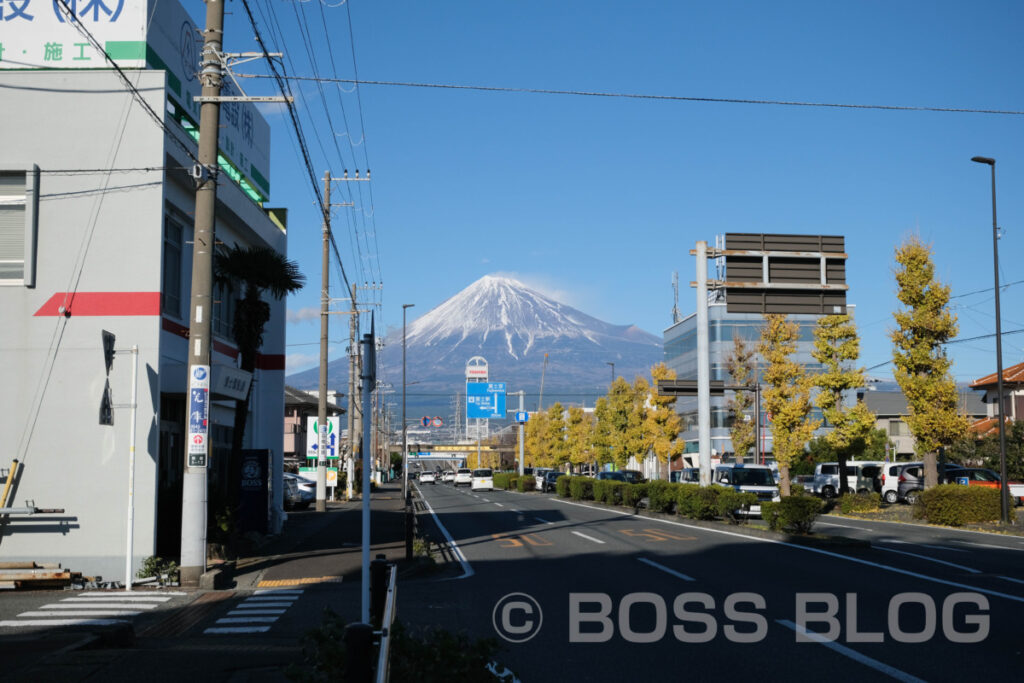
(96, 215)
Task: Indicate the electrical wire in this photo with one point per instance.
(671, 98)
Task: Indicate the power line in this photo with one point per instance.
(957, 341)
(671, 98)
(987, 289)
(104, 171)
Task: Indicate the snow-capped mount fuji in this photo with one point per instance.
(504, 316)
(512, 327)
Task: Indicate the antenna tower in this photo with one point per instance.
(676, 316)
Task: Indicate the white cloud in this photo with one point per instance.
(303, 314)
(295, 362)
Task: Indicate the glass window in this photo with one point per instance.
(170, 296)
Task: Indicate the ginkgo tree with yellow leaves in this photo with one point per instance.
(787, 397)
(836, 346)
(922, 366)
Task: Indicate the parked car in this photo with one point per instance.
(298, 491)
(860, 477)
(911, 481)
(757, 479)
(428, 478)
(538, 473)
(890, 478)
(464, 476)
(550, 480)
(482, 480)
(632, 476)
(617, 476)
(689, 475)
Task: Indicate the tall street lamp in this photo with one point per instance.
(1005, 489)
(608, 362)
(405, 442)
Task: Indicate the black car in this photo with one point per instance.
(632, 476)
(550, 479)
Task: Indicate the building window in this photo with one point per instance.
(170, 296)
(18, 210)
(897, 428)
(224, 305)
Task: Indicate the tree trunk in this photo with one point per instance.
(931, 470)
(784, 487)
(844, 482)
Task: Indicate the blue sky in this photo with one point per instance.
(596, 200)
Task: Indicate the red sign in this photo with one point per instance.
(436, 422)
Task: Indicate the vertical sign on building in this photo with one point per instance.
(198, 415)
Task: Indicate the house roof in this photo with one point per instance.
(297, 397)
(894, 403)
(988, 425)
(1011, 375)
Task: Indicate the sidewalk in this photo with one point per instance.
(168, 645)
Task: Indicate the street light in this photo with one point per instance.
(405, 444)
(608, 362)
(1005, 489)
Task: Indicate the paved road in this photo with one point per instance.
(571, 559)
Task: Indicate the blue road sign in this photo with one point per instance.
(522, 417)
(485, 400)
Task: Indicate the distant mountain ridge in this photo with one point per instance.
(512, 326)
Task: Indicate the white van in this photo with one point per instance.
(756, 479)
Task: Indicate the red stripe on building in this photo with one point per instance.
(270, 361)
(101, 303)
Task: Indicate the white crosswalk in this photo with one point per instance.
(257, 612)
(90, 609)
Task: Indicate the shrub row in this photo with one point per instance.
(860, 502)
(502, 480)
(693, 501)
(954, 505)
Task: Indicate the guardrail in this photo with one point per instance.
(390, 606)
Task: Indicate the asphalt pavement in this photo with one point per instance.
(600, 593)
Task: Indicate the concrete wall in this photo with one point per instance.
(98, 233)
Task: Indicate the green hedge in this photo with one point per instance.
(562, 486)
(733, 506)
(526, 483)
(632, 493)
(581, 488)
(697, 502)
(860, 502)
(793, 514)
(954, 504)
(662, 496)
(503, 480)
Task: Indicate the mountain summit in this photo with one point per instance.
(501, 314)
(512, 327)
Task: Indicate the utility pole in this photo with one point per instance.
(321, 412)
(354, 423)
(197, 448)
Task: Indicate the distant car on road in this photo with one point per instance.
(298, 491)
(448, 477)
(482, 480)
(550, 480)
(891, 479)
(428, 478)
(757, 479)
(464, 476)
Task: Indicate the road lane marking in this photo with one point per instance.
(237, 629)
(989, 545)
(247, 612)
(119, 597)
(589, 538)
(99, 605)
(261, 605)
(926, 545)
(1007, 578)
(929, 559)
(247, 620)
(485, 500)
(298, 582)
(818, 551)
(852, 654)
(84, 613)
(541, 519)
(64, 622)
(516, 540)
(656, 535)
(279, 591)
(499, 505)
(665, 569)
(467, 570)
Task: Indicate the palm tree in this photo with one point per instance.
(254, 271)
